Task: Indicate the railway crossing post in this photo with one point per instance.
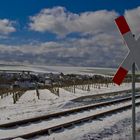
(133, 103)
(129, 62)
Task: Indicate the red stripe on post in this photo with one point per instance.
(122, 25)
(120, 75)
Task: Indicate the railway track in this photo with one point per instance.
(49, 130)
(109, 94)
(66, 112)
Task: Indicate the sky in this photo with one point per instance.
(65, 32)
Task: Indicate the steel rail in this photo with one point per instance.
(50, 130)
(66, 112)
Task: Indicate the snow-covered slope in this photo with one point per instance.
(29, 106)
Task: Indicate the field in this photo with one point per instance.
(114, 126)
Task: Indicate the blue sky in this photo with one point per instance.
(21, 10)
(60, 32)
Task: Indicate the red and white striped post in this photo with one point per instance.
(128, 62)
(124, 68)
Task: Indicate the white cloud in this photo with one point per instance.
(62, 22)
(103, 46)
(102, 50)
(133, 18)
(6, 27)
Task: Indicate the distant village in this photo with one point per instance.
(18, 82)
(29, 80)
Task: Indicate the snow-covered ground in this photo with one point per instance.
(104, 89)
(57, 121)
(115, 127)
(29, 106)
(59, 69)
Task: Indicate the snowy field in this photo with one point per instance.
(116, 127)
(59, 69)
(30, 106)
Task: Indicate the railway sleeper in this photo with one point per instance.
(57, 129)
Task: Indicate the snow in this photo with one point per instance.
(104, 89)
(59, 69)
(30, 106)
(56, 121)
(114, 127)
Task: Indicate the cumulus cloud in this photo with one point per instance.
(6, 27)
(133, 18)
(99, 43)
(62, 22)
(101, 50)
